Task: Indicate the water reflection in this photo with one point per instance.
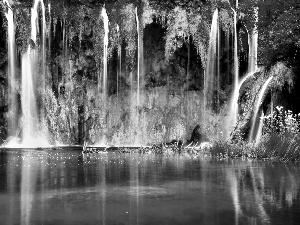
(258, 191)
(65, 187)
(11, 180)
(28, 184)
(103, 186)
(233, 178)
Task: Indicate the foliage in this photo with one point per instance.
(281, 122)
(281, 75)
(62, 116)
(226, 149)
(113, 39)
(193, 23)
(183, 25)
(149, 13)
(285, 148)
(22, 21)
(177, 30)
(226, 19)
(277, 24)
(129, 32)
(98, 35)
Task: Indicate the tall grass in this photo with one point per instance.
(284, 147)
(227, 149)
(279, 147)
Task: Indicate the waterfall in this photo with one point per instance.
(33, 134)
(259, 130)
(64, 47)
(105, 46)
(210, 72)
(256, 109)
(236, 67)
(29, 107)
(104, 72)
(119, 60)
(218, 67)
(140, 63)
(34, 28)
(12, 104)
(233, 110)
(49, 28)
(234, 102)
(136, 120)
(252, 41)
(252, 68)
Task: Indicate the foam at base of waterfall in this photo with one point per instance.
(28, 142)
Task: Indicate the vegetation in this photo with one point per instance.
(75, 71)
(280, 140)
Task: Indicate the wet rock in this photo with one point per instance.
(4, 109)
(87, 24)
(196, 136)
(3, 80)
(3, 56)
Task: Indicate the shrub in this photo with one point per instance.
(281, 147)
(281, 122)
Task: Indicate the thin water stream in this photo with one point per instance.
(13, 106)
(258, 102)
(105, 49)
(211, 67)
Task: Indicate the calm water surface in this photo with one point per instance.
(66, 187)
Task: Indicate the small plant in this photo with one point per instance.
(280, 138)
(281, 122)
(279, 147)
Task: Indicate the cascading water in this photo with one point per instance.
(29, 108)
(33, 134)
(105, 46)
(41, 78)
(259, 130)
(12, 106)
(236, 65)
(49, 28)
(252, 41)
(103, 85)
(64, 46)
(233, 111)
(136, 121)
(218, 66)
(119, 60)
(253, 131)
(252, 68)
(210, 71)
(140, 63)
(34, 28)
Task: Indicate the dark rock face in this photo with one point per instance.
(196, 136)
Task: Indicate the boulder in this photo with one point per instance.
(196, 136)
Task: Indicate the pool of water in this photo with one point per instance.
(66, 187)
